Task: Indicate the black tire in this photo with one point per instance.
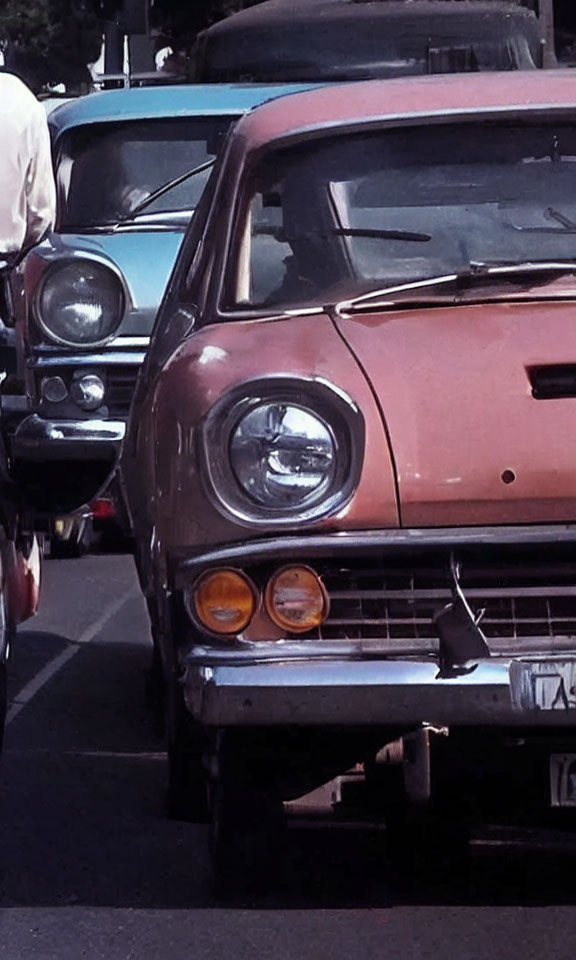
(187, 787)
(428, 848)
(187, 793)
(7, 635)
(72, 549)
(3, 703)
(155, 699)
(247, 819)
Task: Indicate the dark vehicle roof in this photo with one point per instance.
(354, 39)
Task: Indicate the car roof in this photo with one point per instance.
(438, 96)
(179, 100)
(354, 39)
(276, 13)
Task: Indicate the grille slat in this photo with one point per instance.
(470, 593)
(121, 383)
(525, 603)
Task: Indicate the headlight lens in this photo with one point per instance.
(282, 450)
(282, 455)
(88, 391)
(224, 601)
(81, 303)
(296, 599)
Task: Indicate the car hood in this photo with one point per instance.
(471, 444)
(144, 258)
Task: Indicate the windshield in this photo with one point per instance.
(106, 170)
(338, 217)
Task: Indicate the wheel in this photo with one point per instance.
(155, 699)
(428, 822)
(428, 848)
(6, 636)
(77, 545)
(247, 818)
(3, 703)
(187, 793)
(187, 788)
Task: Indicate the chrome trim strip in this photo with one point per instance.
(36, 438)
(357, 693)
(87, 359)
(426, 649)
(99, 431)
(119, 342)
(116, 344)
(364, 541)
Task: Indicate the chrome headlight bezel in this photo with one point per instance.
(51, 273)
(324, 401)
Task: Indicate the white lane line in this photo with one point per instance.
(29, 691)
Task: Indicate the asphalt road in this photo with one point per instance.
(91, 868)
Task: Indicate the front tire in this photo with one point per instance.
(3, 703)
(247, 818)
(187, 793)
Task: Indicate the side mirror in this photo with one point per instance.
(183, 321)
(6, 302)
(8, 361)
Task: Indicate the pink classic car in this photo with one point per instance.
(351, 462)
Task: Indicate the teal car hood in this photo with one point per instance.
(144, 258)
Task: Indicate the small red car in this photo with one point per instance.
(350, 467)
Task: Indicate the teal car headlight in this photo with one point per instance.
(80, 303)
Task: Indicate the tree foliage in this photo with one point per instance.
(50, 41)
(28, 24)
(182, 19)
(42, 25)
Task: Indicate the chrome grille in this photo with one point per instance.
(121, 383)
(524, 605)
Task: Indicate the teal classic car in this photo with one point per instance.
(130, 168)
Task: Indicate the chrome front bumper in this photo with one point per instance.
(360, 693)
(353, 683)
(39, 439)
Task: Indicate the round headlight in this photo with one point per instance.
(282, 455)
(81, 303)
(296, 599)
(224, 601)
(88, 391)
(282, 450)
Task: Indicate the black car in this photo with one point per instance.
(334, 40)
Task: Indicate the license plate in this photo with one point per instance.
(543, 684)
(563, 779)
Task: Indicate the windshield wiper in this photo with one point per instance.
(375, 233)
(476, 271)
(165, 188)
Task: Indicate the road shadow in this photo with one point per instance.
(82, 812)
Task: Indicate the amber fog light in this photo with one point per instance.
(224, 601)
(296, 599)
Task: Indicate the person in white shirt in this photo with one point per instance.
(27, 191)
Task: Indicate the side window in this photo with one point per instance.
(264, 252)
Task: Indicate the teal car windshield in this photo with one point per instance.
(105, 171)
(330, 219)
